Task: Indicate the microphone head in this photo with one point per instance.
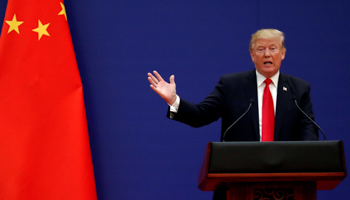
(251, 101)
(294, 97)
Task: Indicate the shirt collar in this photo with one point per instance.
(260, 78)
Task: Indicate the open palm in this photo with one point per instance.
(164, 89)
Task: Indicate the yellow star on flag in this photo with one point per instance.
(63, 11)
(14, 24)
(41, 30)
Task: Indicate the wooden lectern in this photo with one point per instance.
(272, 170)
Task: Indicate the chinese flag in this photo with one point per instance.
(44, 144)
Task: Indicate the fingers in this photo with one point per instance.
(172, 79)
(154, 88)
(153, 80)
(159, 77)
(162, 88)
(156, 79)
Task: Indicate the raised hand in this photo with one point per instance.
(165, 90)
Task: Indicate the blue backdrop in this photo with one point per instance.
(140, 154)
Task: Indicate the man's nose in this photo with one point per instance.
(267, 53)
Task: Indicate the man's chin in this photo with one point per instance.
(270, 72)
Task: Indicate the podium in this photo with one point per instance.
(283, 170)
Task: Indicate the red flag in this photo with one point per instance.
(44, 143)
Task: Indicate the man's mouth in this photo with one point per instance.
(267, 63)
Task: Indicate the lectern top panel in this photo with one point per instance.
(276, 157)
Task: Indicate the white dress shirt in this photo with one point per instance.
(273, 89)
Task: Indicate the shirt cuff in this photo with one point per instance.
(175, 106)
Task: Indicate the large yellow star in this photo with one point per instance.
(63, 11)
(41, 30)
(14, 24)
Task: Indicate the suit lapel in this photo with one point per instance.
(283, 92)
(251, 93)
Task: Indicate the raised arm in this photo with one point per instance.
(164, 89)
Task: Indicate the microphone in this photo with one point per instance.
(296, 103)
(251, 101)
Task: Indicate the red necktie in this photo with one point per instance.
(268, 114)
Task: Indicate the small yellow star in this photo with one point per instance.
(63, 11)
(41, 30)
(14, 24)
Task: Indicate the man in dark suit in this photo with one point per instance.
(235, 92)
(232, 96)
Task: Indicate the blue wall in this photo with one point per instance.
(140, 154)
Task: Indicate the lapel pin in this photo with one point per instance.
(284, 89)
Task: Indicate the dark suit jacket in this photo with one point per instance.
(231, 98)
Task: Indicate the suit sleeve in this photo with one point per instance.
(206, 112)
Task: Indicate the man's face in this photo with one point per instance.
(267, 56)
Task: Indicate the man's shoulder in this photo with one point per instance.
(238, 75)
(293, 80)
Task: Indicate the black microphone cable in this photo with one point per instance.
(251, 101)
(296, 103)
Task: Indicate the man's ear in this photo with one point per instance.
(283, 54)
